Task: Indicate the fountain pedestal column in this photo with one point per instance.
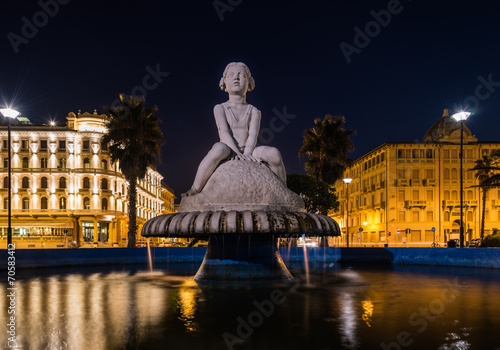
(243, 257)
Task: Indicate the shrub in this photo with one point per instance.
(492, 240)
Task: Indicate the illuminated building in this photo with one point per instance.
(415, 185)
(65, 190)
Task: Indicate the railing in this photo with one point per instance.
(69, 212)
(456, 203)
(411, 204)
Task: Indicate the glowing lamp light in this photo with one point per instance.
(365, 223)
(9, 113)
(347, 180)
(461, 116)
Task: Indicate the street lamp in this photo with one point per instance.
(347, 181)
(9, 114)
(461, 117)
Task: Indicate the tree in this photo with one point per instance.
(486, 171)
(326, 146)
(134, 140)
(317, 195)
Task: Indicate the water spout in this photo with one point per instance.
(150, 260)
(306, 262)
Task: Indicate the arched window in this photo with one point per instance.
(62, 182)
(44, 203)
(86, 163)
(104, 204)
(86, 182)
(86, 203)
(470, 194)
(6, 182)
(6, 163)
(26, 163)
(62, 203)
(43, 182)
(446, 216)
(26, 203)
(104, 184)
(104, 164)
(446, 174)
(6, 203)
(446, 195)
(454, 174)
(454, 195)
(26, 182)
(43, 163)
(62, 163)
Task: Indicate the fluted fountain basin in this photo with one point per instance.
(242, 221)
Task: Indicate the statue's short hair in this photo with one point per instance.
(251, 81)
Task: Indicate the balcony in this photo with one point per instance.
(415, 182)
(456, 203)
(402, 182)
(415, 204)
(429, 182)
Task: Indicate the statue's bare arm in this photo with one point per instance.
(253, 132)
(223, 128)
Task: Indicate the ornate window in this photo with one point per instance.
(26, 182)
(62, 182)
(43, 182)
(44, 203)
(104, 184)
(86, 182)
(86, 203)
(26, 203)
(62, 203)
(104, 204)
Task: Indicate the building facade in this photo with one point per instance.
(65, 191)
(414, 188)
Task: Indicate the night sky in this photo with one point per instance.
(427, 56)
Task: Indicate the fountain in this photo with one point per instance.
(239, 200)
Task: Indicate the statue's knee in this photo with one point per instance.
(274, 156)
(220, 150)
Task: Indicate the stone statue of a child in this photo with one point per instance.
(238, 123)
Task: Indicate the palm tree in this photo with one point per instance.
(134, 140)
(326, 146)
(486, 172)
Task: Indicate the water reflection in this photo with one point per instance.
(346, 309)
(367, 311)
(187, 302)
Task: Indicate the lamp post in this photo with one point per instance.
(461, 117)
(347, 181)
(9, 114)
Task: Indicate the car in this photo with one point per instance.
(475, 243)
(453, 243)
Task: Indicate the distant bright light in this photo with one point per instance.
(52, 123)
(365, 223)
(461, 116)
(347, 180)
(9, 113)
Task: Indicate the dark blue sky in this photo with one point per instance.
(428, 55)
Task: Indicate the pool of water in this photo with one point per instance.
(343, 307)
